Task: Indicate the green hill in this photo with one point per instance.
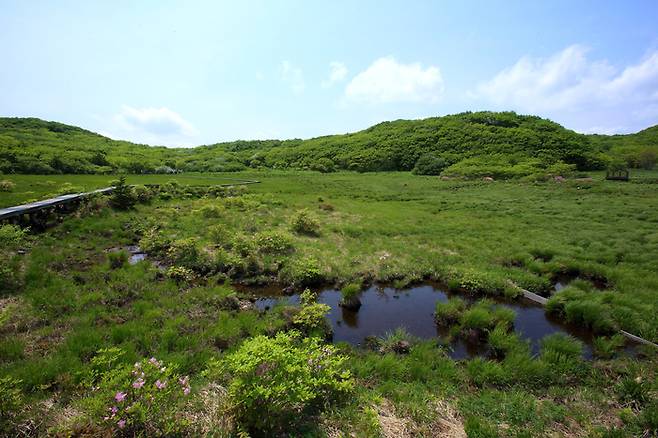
(502, 144)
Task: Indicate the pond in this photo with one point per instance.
(384, 309)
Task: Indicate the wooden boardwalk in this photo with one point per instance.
(542, 301)
(18, 210)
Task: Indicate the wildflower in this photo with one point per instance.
(114, 410)
(121, 424)
(154, 361)
(160, 385)
(186, 391)
(184, 381)
(120, 396)
(138, 383)
(138, 365)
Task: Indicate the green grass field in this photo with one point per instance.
(394, 228)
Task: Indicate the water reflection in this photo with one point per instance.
(384, 309)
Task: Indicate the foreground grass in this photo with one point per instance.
(385, 227)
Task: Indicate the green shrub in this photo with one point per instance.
(220, 235)
(303, 222)
(212, 211)
(11, 403)
(143, 399)
(311, 317)
(429, 164)
(303, 272)
(117, 259)
(449, 312)
(186, 253)
(123, 196)
(6, 186)
(274, 242)
(276, 382)
(143, 194)
(11, 236)
(180, 274)
(154, 242)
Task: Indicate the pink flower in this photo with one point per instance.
(138, 383)
(186, 391)
(120, 396)
(114, 410)
(160, 385)
(184, 381)
(121, 424)
(154, 361)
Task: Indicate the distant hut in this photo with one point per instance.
(617, 171)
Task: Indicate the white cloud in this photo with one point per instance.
(293, 76)
(387, 81)
(156, 126)
(582, 93)
(337, 73)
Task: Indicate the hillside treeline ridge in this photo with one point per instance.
(499, 144)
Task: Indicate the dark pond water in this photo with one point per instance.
(384, 309)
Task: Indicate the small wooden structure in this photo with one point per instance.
(617, 175)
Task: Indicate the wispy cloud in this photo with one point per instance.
(388, 81)
(293, 76)
(605, 97)
(159, 126)
(337, 73)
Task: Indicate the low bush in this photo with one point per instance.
(273, 242)
(211, 211)
(6, 186)
(142, 399)
(11, 403)
(311, 316)
(302, 272)
(449, 312)
(154, 242)
(303, 222)
(276, 382)
(117, 259)
(180, 274)
(11, 236)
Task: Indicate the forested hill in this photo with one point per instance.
(501, 144)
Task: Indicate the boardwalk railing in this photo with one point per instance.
(19, 210)
(542, 301)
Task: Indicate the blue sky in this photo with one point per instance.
(194, 72)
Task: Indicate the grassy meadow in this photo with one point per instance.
(80, 314)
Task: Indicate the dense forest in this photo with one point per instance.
(504, 144)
